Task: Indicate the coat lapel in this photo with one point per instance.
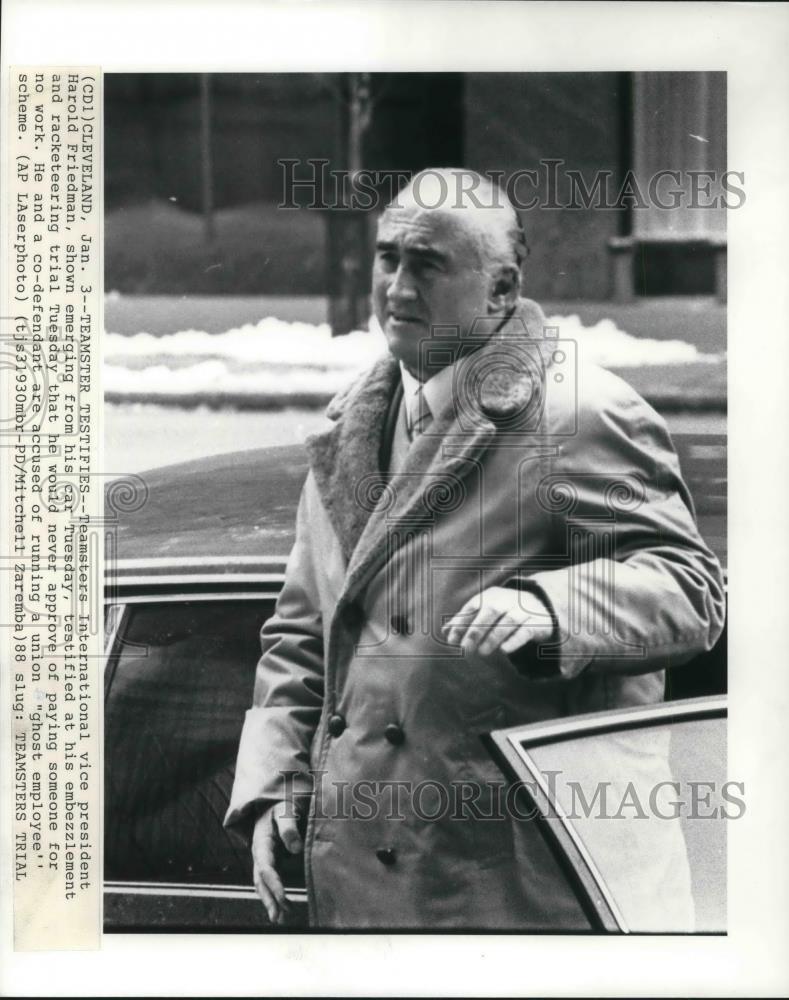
(347, 452)
(429, 483)
(367, 506)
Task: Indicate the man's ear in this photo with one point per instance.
(504, 289)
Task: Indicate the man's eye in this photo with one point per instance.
(387, 260)
(426, 267)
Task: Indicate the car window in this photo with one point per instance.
(649, 804)
(179, 683)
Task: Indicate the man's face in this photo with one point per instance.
(429, 271)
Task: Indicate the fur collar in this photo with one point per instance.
(344, 455)
(362, 502)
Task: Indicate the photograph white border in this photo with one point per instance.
(751, 43)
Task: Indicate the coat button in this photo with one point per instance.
(336, 724)
(386, 856)
(353, 616)
(394, 734)
(399, 624)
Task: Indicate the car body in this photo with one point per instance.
(196, 557)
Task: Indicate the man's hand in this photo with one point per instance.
(277, 823)
(499, 619)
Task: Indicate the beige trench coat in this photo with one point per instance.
(567, 485)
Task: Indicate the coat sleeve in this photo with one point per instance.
(274, 752)
(638, 590)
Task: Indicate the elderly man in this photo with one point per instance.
(490, 534)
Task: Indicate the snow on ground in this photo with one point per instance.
(277, 359)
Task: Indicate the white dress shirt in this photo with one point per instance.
(436, 391)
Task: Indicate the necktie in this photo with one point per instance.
(420, 414)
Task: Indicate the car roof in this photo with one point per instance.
(237, 511)
(239, 505)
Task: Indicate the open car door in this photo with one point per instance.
(634, 805)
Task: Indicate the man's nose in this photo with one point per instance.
(401, 287)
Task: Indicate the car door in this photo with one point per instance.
(178, 680)
(634, 805)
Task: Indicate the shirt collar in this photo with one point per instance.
(437, 390)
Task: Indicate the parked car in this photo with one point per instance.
(195, 559)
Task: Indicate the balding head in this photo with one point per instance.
(484, 203)
(448, 253)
